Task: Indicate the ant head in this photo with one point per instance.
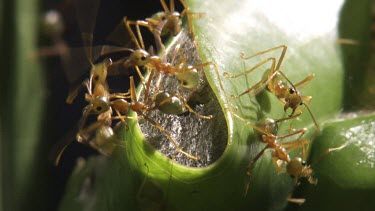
(298, 168)
(189, 78)
(293, 99)
(171, 20)
(173, 24)
(99, 71)
(138, 57)
(99, 105)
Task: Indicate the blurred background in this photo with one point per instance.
(35, 81)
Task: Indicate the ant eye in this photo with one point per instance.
(303, 163)
(291, 91)
(143, 58)
(301, 103)
(96, 78)
(99, 108)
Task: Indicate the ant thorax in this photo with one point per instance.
(279, 89)
(198, 136)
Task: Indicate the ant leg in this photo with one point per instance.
(218, 79)
(138, 42)
(307, 100)
(249, 124)
(329, 151)
(273, 60)
(119, 95)
(300, 131)
(120, 116)
(289, 117)
(132, 91)
(165, 7)
(59, 148)
(254, 90)
(298, 201)
(292, 116)
(158, 126)
(73, 94)
(148, 87)
(171, 5)
(191, 110)
(189, 14)
(304, 81)
(304, 144)
(140, 74)
(298, 84)
(185, 104)
(154, 26)
(281, 58)
(142, 79)
(250, 165)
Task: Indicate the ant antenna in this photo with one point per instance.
(312, 116)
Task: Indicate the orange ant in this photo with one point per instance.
(98, 135)
(138, 57)
(187, 75)
(267, 131)
(296, 167)
(142, 108)
(102, 105)
(288, 95)
(104, 139)
(99, 72)
(166, 22)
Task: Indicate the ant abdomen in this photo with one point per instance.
(169, 104)
(189, 79)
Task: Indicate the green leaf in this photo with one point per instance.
(138, 176)
(23, 95)
(345, 177)
(357, 59)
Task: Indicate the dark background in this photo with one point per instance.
(61, 117)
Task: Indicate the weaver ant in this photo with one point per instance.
(287, 94)
(296, 167)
